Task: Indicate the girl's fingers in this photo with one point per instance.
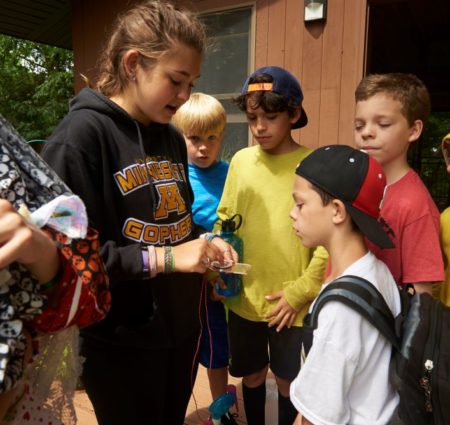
(5, 206)
(14, 248)
(10, 222)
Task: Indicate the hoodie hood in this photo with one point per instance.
(95, 101)
(91, 99)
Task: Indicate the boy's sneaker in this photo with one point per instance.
(228, 419)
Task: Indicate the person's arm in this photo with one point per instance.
(307, 286)
(299, 292)
(75, 156)
(300, 420)
(421, 255)
(423, 287)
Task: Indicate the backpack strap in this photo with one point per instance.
(363, 297)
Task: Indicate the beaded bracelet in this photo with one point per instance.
(208, 236)
(169, 262)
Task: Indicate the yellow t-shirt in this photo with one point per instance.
(444, 288)
(259, 187)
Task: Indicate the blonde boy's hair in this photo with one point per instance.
(408, 89)
(202, 113)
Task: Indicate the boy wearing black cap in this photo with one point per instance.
(338, 192)
(285, 276)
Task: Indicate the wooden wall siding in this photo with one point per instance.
(330, 79)
(353, 64)
(328, 58)
(92, 22)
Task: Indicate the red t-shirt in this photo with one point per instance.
(413, 217)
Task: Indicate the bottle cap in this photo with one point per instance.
(229, 225)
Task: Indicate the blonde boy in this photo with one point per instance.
(391, 111)
(202, 120)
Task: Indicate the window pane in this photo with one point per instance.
(227, 22)
(234, 114)
(225, 69)
(236, 137)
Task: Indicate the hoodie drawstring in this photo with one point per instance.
(144, 158)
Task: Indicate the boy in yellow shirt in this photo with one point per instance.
(265, 319)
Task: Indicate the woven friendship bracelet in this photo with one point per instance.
(169, 263)
(52, 282)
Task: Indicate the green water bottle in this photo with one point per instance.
(232, 281)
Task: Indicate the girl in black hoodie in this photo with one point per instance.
(118, 152)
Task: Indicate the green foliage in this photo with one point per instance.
(426, 157)
(36, 83)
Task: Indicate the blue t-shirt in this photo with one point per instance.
(207, 184)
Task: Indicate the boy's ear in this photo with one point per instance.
(415, 131)
(339, 211)
(296, 115)
(130, 61)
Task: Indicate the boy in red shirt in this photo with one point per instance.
(391, 111)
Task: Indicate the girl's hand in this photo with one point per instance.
(195, 256)
(226, 249)
(27, 244)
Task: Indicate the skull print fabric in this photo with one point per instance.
(25, 179)
(29, 184)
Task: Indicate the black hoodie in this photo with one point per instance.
(99, 151)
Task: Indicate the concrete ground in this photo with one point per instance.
(197, 410)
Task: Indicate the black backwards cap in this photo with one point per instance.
(356, 179)
(284, 83)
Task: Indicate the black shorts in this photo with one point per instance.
(253, 346)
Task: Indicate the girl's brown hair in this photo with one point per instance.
(152, 28)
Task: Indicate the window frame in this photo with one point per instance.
(238, 117)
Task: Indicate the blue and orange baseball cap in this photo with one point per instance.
(284, 83)
(356, 179)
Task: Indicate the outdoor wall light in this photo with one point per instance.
(315, 10)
